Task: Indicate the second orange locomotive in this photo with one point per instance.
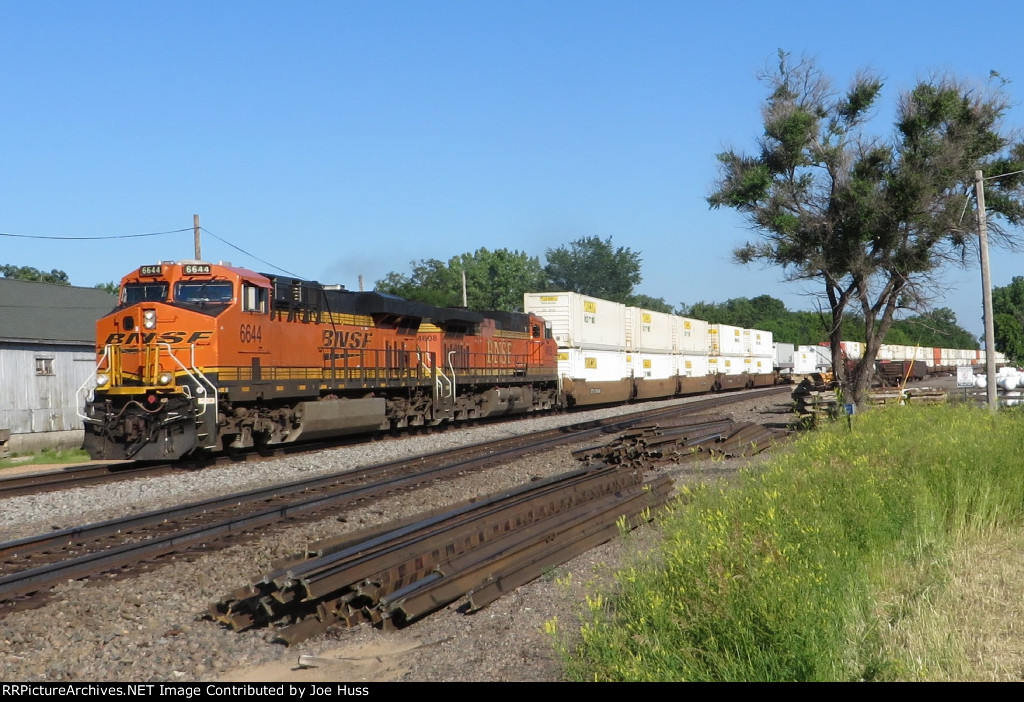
(201, 357)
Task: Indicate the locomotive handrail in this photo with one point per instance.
(89, 396)
(452, 367)
(193, 374)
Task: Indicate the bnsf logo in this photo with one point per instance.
(346, 340)
(499, 352)
(168, 337)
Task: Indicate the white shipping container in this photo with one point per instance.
(757, 342)
(854, 350)
(725, 340)
(783, 354)
(811, 359)
(759, 364)
(580, 321)
(692, 366)
(649, 331)
(595, 365)
(691, 335)
(726, 365)
(653, 366)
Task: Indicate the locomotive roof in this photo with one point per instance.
(372, 303)
(377, 303)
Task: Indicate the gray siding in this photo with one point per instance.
(30, 402)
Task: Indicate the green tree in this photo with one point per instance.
(430, 281)
(655, 304)
(592, 266)
(495, 280)
(935, 328)
(1008, 319)
(870, 220)
(762, 312)
(34, 274)
(111, 287)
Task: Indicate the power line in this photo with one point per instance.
(92, 238)
(137, 236)
(238, 248)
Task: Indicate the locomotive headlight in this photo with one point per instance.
(165, 378)
(102, 379)
(149, 319)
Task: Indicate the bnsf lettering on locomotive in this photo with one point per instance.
(168, 337)
(499, 352)
(346, 339)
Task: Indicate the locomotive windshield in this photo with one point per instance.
(144, 292)
(215, 291)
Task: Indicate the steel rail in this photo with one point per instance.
(21, 583)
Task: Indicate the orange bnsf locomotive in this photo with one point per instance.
(203, 357)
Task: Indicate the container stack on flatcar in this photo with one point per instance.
(915, 362)
(609, 352)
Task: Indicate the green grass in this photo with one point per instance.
(815, 566)
(47, 456)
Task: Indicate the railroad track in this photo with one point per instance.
(34, 483)
(29, 567)
(45, 481)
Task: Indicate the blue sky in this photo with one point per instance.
(338, 139)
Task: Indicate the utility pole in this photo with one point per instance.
(195, 234)
(986, 285)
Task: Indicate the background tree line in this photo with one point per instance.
(496, 280)
(935, 328)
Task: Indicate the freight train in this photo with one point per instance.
(200, 357)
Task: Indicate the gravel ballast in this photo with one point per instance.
(151, 627)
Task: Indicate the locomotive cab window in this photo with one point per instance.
(254, 298)
(144, 292)
(215, 291)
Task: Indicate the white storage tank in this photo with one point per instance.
(725, 340)
(580, 321)
(649, 331)
(691, 335)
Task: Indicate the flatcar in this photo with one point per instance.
(203, 357)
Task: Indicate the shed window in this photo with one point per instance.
(44, 366)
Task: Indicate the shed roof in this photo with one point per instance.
(49, 313)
